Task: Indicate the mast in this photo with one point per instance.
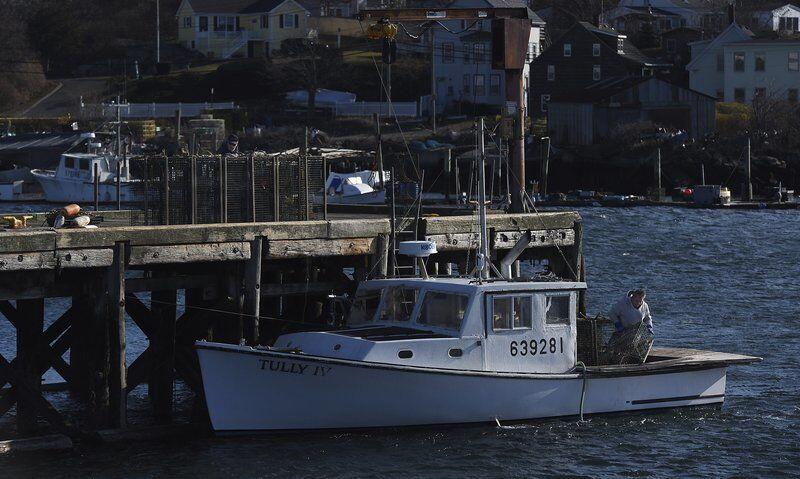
(483, 255)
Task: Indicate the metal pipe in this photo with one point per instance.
(519, 247)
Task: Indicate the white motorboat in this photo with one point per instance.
(73, 181)
(425, 351)
(358, 188)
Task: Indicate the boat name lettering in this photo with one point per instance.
(534, 347)
(292, 368)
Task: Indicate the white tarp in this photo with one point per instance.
(338, 183)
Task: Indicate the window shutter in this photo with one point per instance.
(281, 21)
(216, 24)
(296, 21)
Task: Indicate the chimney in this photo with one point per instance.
(731, 13)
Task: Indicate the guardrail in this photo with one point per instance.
(369, 108)
(155, 110)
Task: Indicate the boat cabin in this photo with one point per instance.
(455, 323)
(81, 166)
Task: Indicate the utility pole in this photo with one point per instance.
(158, 32)
(545, 165)
(433, 81)
(658, 175)
(749, 187)
(379, 149)
(702, 174)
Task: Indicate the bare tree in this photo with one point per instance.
(314, 61)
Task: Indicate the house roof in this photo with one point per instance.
(609, 87)
(629, 50)
(234, 6)
(771, 7)
(653, 11)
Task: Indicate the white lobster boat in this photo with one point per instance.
(73, 181)
(425, 351)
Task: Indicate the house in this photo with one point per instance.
(593, 113)
(463, 60)
(707, 67)
(239, 28)
(675, 45)
(707, 15)
(333, 8)
(784, 19)
(635, 21)
(761, 69)
(584, 55)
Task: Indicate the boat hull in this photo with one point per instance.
(258, 390)
(67, 190)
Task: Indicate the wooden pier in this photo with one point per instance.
(243, 282)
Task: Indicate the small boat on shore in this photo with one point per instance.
(358, 188)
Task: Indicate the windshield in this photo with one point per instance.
(443, 310)
(399, 304)
(364, 307)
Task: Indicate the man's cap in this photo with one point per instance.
(233, 138)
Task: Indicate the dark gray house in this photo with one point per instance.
(592, 114)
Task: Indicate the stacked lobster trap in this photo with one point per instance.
(253, 187)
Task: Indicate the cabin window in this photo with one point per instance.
(556, 309)
(364, 307)
(511, 312)
(443, 310)
(84, 164)
(399, 304)
(69, 162)
(567, 50)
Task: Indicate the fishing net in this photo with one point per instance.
(629, 346)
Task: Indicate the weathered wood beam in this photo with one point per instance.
(252, 292)
(140, 314)
(309, 248)
(10, 312)
(189, 253)
(137, 285)
(288, 289)
(539, 238)
(162, 342)
(27, 392)
(62, 259)
(30, 322)
(116, 315)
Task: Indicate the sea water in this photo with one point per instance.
(719, 280)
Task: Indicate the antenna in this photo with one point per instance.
(483, 258)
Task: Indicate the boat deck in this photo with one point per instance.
(676, 359)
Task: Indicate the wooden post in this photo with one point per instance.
(160, 384)
(119, 184)
(30, 314)
(221, 191)
(252, 291)
(98, 357)
(325, 174)
(380, 257)
(193, 187)
(276, 183)
(116, 316)
(96, 184)
(252, 188)
(166, 191)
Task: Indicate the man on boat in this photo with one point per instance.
(230, 147)
(630, 311)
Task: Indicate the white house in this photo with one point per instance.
(762, 68)
(781, 19)
(707, 68)
(463, 60)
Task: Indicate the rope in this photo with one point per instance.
(582, 367)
